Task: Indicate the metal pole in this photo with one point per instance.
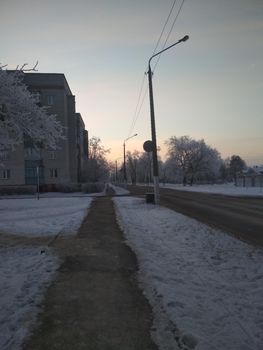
(116, 170)
(37, 182)
(124, 165)
(124, 159)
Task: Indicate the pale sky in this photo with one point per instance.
(209, 87)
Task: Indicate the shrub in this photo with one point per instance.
(92, 187)
(109, 190)
(68, 188)
(22, 189)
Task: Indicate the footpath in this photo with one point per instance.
(95, 302)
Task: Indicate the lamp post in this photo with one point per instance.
(38, 183)
(116, 169)
(124, 159)
(153, 130)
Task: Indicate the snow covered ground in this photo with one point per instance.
(46, 216)
(24, 275)
(204, 285)
(119, 191)
(25, 271)
(226, 189)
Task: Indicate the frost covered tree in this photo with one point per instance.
(236, 165)
(139, 167)
(132, 164)
(21, 115)
(98, 168)
(194, 159)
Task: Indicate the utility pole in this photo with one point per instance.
(124, 159)
(153, 130)
(124, 164)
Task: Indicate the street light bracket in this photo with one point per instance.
(185, 38)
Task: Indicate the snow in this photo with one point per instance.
(119, 191)
(26, 271)
(47, 216)
(205, 286)
(23, 115)
(24, 275)
(225, 189)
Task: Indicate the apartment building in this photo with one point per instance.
(67, 164)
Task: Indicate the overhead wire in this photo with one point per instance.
(168, 35)
(139, 105)
(143, 92)
(164, 26)
(136, 109)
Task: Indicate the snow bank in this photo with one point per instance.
(24, 275)
(226, 189)
(205, 286)
(46, 216)
(119, 191)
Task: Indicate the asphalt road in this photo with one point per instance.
(239, 216)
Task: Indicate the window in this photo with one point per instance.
(4, 155)
(32, 153)
(51, 155)
(53, 172)
(5, 174)
(2, 112)
(50, 100)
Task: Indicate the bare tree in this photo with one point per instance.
(98, 167)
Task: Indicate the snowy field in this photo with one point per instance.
(46, 216)
(24, 275)
(26, 271)
(205, 286)
(226, 189)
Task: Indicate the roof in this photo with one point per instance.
(47, 80)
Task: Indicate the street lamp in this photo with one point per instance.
(154, 143)
(124, 159)
(116, 169)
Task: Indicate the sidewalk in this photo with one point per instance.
(95, 302)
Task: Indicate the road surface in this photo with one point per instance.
(240, 216)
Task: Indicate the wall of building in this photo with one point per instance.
(58, 166)
(250, 181)
(12, 162)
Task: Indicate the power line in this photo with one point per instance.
(136, 116)
(141, 94)
(165, 24)
(168, 35)
(136, 109)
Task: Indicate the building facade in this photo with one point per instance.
(27, 164)
(251, 177)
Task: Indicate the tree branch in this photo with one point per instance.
(23, 69)
(5, 65)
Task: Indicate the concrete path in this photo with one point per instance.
(95, 302)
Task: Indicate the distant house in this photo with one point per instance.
(251, 177)
(64, 165)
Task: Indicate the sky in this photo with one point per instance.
(209, 87)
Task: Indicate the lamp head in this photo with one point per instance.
(185, 38)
